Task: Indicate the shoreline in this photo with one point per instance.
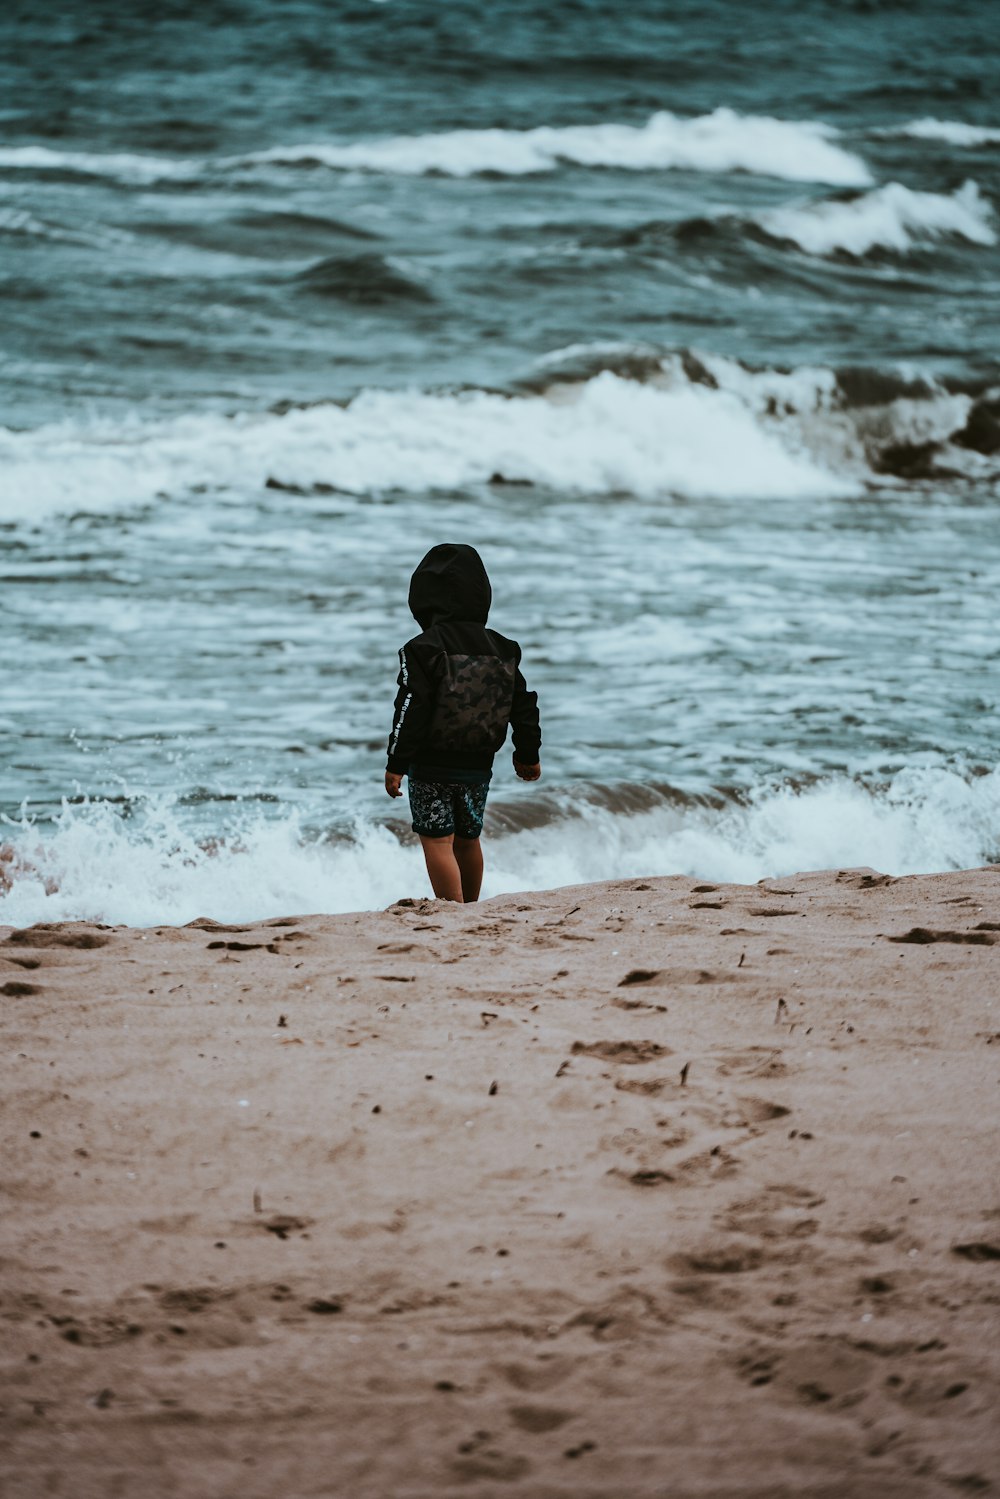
(651, 1186)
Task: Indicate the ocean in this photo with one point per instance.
(686, 316)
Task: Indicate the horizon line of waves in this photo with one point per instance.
(723, 141)
(149, 870)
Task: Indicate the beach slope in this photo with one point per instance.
(646, 1188)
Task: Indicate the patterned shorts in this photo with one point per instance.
(439, 808)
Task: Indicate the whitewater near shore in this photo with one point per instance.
(647, 1187)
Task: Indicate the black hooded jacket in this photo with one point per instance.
(460, 684)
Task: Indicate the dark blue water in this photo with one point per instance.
(199, 300)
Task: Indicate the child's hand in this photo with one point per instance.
(527, 772)
(393, 783)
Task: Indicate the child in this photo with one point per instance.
(460, 685)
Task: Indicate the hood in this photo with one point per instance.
(450, 583)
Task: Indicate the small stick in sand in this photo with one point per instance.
(684, 1074)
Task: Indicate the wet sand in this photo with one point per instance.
(633, 1189)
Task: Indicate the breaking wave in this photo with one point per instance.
(605, 435)
(123, 165)
(723, 141)
(595, 419)
(952, 131)
(892, 217)
(95, 866)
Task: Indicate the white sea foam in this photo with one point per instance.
(123, 165)
(148, 870)
(724, 141)
(892, 217)
(808, 406)
(607, 435)
(952, 131)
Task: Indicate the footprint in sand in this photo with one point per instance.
(978, 1252)
(923, 936)
(538, 1418)
(646, 1177)
(878, 1233)
(535, 1378)
(478, 1460)
(756, 1061)
(715, 1164)
(282, 1224)
(191, 1299)
(46, 936)
(629, 1053)
(817, 1373)
(723, 1259)
(238, 946)
(778, 1213)
(648, 1085)
(95, 1332)
(759, 1111)
(622, 1318)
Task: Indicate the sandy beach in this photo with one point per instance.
(633, 1189)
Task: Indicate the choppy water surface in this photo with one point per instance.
(689, 326)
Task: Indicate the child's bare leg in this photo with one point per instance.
(469, 858)
(442, 866)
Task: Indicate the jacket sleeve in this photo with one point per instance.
(411, 712)
(524, 720)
